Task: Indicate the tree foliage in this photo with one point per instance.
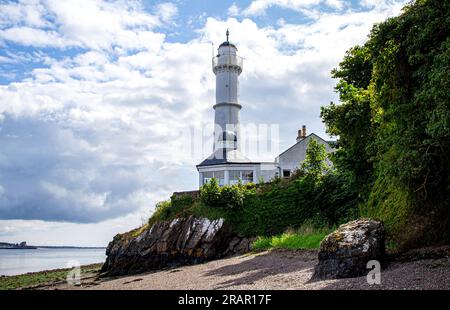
(315, 164)
(393, 122)
(230, 196)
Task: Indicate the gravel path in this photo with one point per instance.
(279, 270)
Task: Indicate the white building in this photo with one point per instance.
(227, 164)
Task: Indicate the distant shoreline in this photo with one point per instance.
(21, 261)
(70, 247)
(24, 246)
(33, 247)
(20, 248)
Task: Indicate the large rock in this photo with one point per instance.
(173, 243)
(345, 252)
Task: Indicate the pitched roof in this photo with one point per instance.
(302, 141)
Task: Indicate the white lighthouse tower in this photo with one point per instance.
(227, 66)
(226, 163)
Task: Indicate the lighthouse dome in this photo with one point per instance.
(227, 43)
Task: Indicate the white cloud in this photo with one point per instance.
(233, 10)
(166, 11)
(372, 3)
(35, 37)
(336, 4)
(25, 12)
(88, 24)
(307, 7)
(259, 7)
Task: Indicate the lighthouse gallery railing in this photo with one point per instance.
(223, 60)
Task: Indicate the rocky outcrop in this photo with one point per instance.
(345, 252)
(173, 243)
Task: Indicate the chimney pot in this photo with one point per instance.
(304, 131)
(300, 133)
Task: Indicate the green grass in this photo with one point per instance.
(42, 277)
(290, 240)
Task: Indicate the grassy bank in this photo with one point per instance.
(33, 279)
(291, 240)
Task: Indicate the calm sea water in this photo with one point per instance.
(17, 261)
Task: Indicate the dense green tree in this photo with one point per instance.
(393, 122)
(352, 119)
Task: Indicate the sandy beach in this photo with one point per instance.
(280, 269)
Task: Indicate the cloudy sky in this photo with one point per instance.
(95, 97)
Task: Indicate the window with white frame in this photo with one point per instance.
(245, 176)
(218, 175)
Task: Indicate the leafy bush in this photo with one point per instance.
(230, 196)
(210, 193)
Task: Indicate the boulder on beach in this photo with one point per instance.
(345, 252)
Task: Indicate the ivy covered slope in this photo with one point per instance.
(315, 195)
(393, 123)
